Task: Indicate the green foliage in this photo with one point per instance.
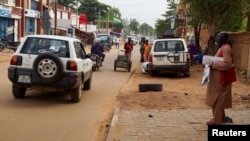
(217, 15)
(134, 26)
(146, 29)
(67, 3)
(228, 15)
(163, 25)
(222, 14)
(95, 9)
(89, 7)
(231, 21)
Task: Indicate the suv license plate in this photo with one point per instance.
(160, 59)
(24, 78)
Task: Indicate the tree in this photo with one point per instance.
(134, 26)
(162, 26)
(146, 29)
(216, 15)
(67, 3)
(115, 14)
(90, 8)
(95, 9)
(171, 12)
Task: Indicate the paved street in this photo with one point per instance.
(166, 125)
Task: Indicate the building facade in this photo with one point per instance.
(19, 18)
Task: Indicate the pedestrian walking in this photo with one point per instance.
(117, 43)
(146, 50)
(128, 46)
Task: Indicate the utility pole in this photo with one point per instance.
(99, 21)
(108, 22)
(77, 22)
(55, 28)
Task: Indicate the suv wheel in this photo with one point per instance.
(48, 67)
(76, 93)
(18, 92)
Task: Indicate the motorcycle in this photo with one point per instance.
(6, 43)
(106, 47)
(97, 61)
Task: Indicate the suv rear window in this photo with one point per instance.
(40, 45)
(171, 45)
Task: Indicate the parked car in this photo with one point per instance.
(169, 55)
(53, 63)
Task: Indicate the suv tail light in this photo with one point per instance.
(150, 58)
(16, 60)
(71, 65)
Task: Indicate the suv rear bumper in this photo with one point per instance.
(184, 68)
(68, 80)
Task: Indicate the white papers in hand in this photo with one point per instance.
(208, 60)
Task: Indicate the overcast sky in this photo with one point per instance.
(142, 10)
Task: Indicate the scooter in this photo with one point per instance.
(97, 61)
(6, 43)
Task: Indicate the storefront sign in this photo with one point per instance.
(83, 19)
(16, 13)
(89, 28)
(32, 13)
(5, 11)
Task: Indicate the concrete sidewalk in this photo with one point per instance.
(166, 125)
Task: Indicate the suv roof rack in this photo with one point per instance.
(167, 36)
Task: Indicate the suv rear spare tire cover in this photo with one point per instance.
(48, 67)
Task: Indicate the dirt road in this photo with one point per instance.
(52, 116)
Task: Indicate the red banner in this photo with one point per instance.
(83, 19)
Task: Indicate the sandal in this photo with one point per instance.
(210, 122)
(228, 119)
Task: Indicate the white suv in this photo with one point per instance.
(53, 63)
(169, 54)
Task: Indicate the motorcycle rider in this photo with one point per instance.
(97, 48)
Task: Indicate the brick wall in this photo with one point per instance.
(241, 45)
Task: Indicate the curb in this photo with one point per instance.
(113, 123)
